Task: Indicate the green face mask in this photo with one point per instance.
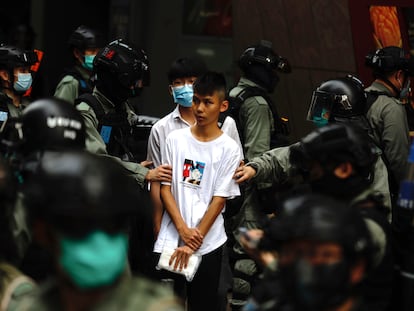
(322, 119)
(88, 63)
(94, 261)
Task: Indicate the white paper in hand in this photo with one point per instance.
(188, 272)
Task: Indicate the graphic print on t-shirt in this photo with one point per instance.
(193, 171)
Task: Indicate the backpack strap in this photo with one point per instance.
(252, 91)
(237, 101)
(85, 87)
(222, 118)
(93, 103)
(281, 124)
(107, 122)
(372, 97)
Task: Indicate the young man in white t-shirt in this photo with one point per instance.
(204, 160)
(181, 76)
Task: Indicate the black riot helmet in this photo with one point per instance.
(389, 59)
(121, 70)
(50, 124)
(263, 54)
(343, 97)
(12, 57)
(321, 218)
(84, 192)
(84, 37)
(260, 64)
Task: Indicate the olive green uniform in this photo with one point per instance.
(68, 87)
(13, 111)
(388, 119)
(131, 294)
(274, 167)
(256, 121)
(257, 125)
(256, 128)
(94, 141)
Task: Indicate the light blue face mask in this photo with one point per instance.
(23, 83)
(88, 63)
(183, 95)
(94, 261)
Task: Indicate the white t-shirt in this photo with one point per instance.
(201, 170)
(173, 121)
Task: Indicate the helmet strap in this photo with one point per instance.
(391, 85)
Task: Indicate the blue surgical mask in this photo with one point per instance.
(23, 83)
(88, 63)
(94, 261)
(183, 95)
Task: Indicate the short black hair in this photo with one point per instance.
(186, 67)
(209, 83)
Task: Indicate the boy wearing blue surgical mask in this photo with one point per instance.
(84, 44)
(182, 74)
(15, 80)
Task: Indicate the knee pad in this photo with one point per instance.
(245, 271)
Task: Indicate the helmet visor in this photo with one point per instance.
(320, 108)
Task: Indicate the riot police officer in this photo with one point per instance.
(80, 206)
(339, 100)
(48, 125)
(339, 160)
(84, 44)
(121, 71)
(343, 100)
(387, 116)
(15, 79)
(256, 118)
(324, 254)
(260, 129)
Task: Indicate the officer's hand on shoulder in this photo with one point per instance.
(160, 173)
